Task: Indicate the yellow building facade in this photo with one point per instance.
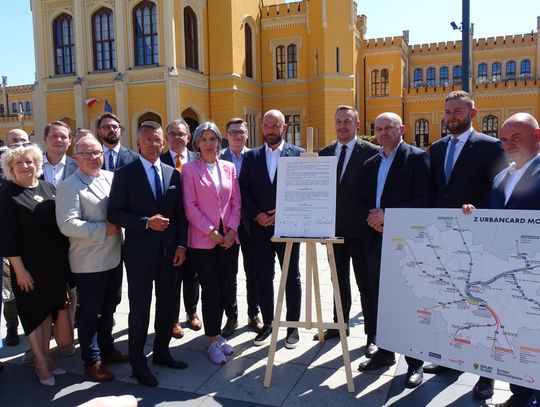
(217, 59)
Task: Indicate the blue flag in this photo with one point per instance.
(108, 107)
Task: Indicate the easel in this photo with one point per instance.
(312, 277)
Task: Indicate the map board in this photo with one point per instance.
(463, 291)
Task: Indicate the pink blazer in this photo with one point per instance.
(205, 206)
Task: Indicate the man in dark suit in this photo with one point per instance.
(463, 165)
(397, 177)
(352, 153)
(57, 166)
(258, 184)
(178, 136)
(109, 131)
(518, 187)
(146, 200)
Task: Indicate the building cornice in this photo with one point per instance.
(284, 22)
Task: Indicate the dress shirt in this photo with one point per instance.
(114, 151)
(514, 175)
(348, 153)
(272, 157)
(462, 139)
(384, 168)
(183, 156)
(53, 173)
(150, 173)
(237, 161)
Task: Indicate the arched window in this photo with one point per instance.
(456, 75)
(384, 82)
(191, 39)
(417, 77)
(490, 125)
(525, 68)
(292, 61)
(430, 77)
(510, 70)
(2, 112)
(64, 45)
(375, 82)
(249, 51)
(421, 132)
(28, 107)
(496, 71)
(148, 116)
(443, 75)
(145, 28)
(103, 34)
(14, 107)
(444, 130)
(280, 62)
(481, 77)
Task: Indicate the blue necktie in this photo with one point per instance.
(450, 160)
(157, 184)
(111, 160)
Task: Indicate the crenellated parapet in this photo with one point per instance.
(509, 41)
(18, 89)
(384, 42)
(282, 10)
(435, 47)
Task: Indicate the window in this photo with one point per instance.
(146, 33)
(251, 121)
(293, 135)
(280, 62)
(456, 74)
(490, 125)
(384, 82)
(417, 77)
(443, 75)
(337, 59)
(2, 112)
(421, 132)
(249, 50)
(103, 33)
(372, 129)
(511, 70)
(496, 71)
(525, 68)
(430, 77)
(444, 130)
(481, 77)
(28, 107)
(292, 61)
(14, 107)
(64, 45)
(191, 41)
(375, 82)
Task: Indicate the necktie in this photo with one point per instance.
(450, 160)
(111, 161)
(341, 161)
(157, 184)
(178, 164)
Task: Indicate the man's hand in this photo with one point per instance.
(179, 256)
(158, 223)
(468, 209)
(266, 219)
(111, 229)
(375, 219)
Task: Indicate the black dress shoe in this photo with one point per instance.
(380, 359)
(169, 362)
(230, 326)
(414, 379)
(145, 377)
(484, 388)
(434, 368)
(371, 350)
(330, 333)
(12, 336)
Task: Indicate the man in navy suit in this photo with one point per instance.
(397, 177)
(178, 136)
(518, 187)
(463, 165)
(146, 200)
(109, 131)
(258, 183)
(353, 153)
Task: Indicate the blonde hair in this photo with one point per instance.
(13, 153)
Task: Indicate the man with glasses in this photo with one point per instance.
(94, 256)
(109, 131)
(178, 136)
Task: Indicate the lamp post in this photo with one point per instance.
(465, 29)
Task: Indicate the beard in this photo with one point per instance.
(111, 138)
(273, 139)
(460, 127)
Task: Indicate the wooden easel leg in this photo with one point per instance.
(317, 287)
(277, 315)
(340, 318)
(310, 247)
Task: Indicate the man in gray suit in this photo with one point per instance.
(94, 256)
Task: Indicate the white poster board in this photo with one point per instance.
(306, 197)
(463, 291)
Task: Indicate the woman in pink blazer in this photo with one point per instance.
(212, 205)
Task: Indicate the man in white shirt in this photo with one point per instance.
(57, 166)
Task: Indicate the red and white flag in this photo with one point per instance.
(91, 102)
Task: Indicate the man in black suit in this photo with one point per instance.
(146, 200)
(463, 165)
(109, 131)
(258, 184)
(518, 187)
(178, 136)
(352, 153)
(397, 177)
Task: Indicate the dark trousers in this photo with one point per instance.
(216, 268)
(250, 267)
(525, 395)
(98, 294)
(140, 277)
(186, 274)
(265, 251)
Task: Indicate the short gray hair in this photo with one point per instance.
(12, 154)
(201, 128)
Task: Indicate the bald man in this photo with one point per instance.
(16, 136)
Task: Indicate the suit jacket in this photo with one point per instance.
(349, 222)
(206, 206)
(70, 168)
(526, 193)
(81, 214)
(125, 156)
(481, 158)
(167, 159)
(227, 155)
(132, 203)
(258, 193)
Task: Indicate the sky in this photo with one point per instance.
(427, 21)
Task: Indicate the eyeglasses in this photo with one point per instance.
(176, 134)
(17, 145)
(235, 133)
(111, 127)
(90, 154)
